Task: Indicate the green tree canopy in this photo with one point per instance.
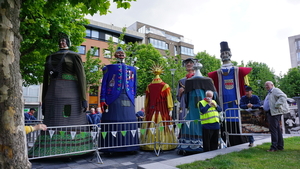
(290, 83)
(258, 76)
(210, 63)
(40, 28)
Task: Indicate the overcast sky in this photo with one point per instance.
(256, 30)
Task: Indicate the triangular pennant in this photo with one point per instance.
(171, 127)
(133, 132)
(196, 121)
(161, 128)
(143, 131)
(83, 134)
(73, 134)
(103, 134)
(179, 125)
(51, 132)
(93, 134)
(123, 133)
(114, 133)
(62, 133)
(188, 123)
(152, 130)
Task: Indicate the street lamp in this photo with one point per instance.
(174, 113)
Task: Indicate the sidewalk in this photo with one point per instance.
(142, 159)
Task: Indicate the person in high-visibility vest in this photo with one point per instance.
(209, 115)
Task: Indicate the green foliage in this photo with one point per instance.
(92, 69)
(258, 76)
(290, 83)
(210, 63)
(39, 29)
(146, 56)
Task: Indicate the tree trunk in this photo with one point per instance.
(13, 152)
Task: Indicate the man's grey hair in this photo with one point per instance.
(209, 91)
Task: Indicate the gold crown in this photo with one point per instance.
(157, 69)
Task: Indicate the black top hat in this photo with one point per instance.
(224, 46)
(248, 88)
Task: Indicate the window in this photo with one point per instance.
(95, 51)
(187, 51)
(95, 34)
(107, 53)
(297, 43)
(158, 44)
(94, 90)
(81, 50)
(298, 56)
(88, 32)
(175, 50)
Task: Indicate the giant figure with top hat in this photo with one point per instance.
(118, 91)
(230, 83)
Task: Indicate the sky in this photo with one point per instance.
(256, 30)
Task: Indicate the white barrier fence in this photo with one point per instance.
(145, 135)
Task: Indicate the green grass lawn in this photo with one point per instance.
(256, 157)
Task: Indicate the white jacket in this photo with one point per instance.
(278, 102)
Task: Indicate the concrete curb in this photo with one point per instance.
(171, 164)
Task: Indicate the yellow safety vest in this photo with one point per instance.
(212, 115)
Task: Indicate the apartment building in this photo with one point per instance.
(164, 40)
(294, 44)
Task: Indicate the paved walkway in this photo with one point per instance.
(141, 160)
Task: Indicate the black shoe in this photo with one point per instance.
(250, 145)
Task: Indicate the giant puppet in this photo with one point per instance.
(118, 91)
(191, 131)
(189, 66)
(158, 107)
(230, 83)
(64, 103)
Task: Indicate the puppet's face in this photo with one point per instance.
(225, 56)
(63, 43)
(120, 55)
(189, 65)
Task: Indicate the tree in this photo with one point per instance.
(92, 69)
(210, 63)
(258, 76)
(290, 83)
(12, 135)
(40, 28)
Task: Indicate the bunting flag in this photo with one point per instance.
(73, 134)
(114, 133)
(83, 134)
(161, 128)
(62, 133)
(104, 134)
(51, 132)
(123, 133)
(196, 121)
(152, 130)
(143, 131)
(170, 127)
(93, 134)
(188, 123)
(133, 133)
(179, 125)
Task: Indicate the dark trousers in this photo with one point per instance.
(210, 139)
(275, 130)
